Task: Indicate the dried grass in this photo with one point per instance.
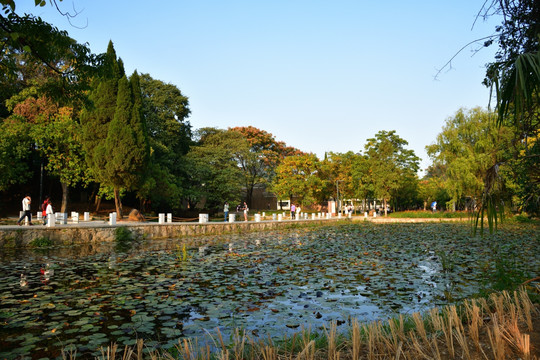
(494, 328)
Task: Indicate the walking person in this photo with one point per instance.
(44, 209)
(226, 210)
(246, 209)
(26, 210)
(293, 211)
(49, 211)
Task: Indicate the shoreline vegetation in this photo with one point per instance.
(501, 326)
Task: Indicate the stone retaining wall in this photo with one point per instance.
(86, 233)
(15, 236)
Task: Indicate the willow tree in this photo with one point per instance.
(514, 77)
(467, 147)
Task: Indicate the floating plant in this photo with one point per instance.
(268, 283)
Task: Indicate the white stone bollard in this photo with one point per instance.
(257, 217)
(169, 217)
(75, 217)
(263, 215)
(86, 216)
(374, 214)
(203, 218)
(39, 216)
(280, 217)
(161, 218)
(61, 218)
(349, 215)
(274, 216)
(232, 218)
(112, 218)
(339, 215)
(51, 221)
(365, 214)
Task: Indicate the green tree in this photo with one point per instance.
(215, 176)
(28, 45)
(99, 113)
(125, 150)
(466, 149)
(337, 169)
(59, 143)
(16, 146)
(514, 77)
(298, 177)
(165, 110)
(389, 164)
(432, 189)
(362, 179)
(259, 163)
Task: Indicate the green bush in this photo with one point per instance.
(123, 238)
(522, 218)
(429, 214)
(41, 242)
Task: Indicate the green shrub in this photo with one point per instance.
(429, 214)
(522, 218)
(123, 238)
(41, 242)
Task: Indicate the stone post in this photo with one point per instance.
(112, 218)
(51, 221)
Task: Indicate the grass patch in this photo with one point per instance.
(41, 242)
(430, 215)
(123, 239)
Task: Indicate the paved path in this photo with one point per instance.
(102, 223)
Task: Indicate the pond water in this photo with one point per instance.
(268, 283)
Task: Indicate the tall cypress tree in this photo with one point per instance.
(95, 119)
(114, 131)
(126, 147)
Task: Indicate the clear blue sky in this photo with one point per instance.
(319, 75)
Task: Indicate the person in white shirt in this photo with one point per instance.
(49, 211)
(26, 209)
(226, 210)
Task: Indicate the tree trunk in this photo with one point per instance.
(249, 195)
(385, 209)
(118, 203)
(65, 192)
(142, 205)
(98, 203)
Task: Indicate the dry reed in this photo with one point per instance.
(493, 328)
